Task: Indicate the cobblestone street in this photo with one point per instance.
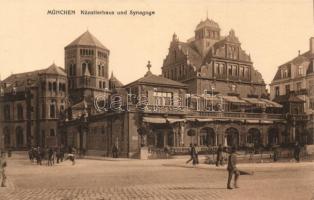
(154, 179)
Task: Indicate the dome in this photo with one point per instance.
(208, 23)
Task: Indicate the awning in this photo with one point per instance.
(252, 121)
(173, 120)
(255, 101)
(191, 119)
(271, 104)
(159, 120)
(267, 122)
(223, 120)
(154, 120)
(234, 99)
(204, 120)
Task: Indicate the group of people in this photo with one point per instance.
(232, 162)
(50, 154)
(194, 150)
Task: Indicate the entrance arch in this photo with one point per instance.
(232, 137)
(273, 136)
(207, 137)
(254, 137)
(19, 137)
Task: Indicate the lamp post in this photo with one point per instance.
(213, 88)
(205, 100)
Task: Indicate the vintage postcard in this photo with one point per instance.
(204, 99)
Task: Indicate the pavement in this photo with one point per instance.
(154, 179)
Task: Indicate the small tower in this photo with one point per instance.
(206, 34)
(86, 64)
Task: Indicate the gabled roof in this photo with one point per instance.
(114, 80)
(150, 78)
(30, 78)
(305, 57)
(54, 69)
(87, 39)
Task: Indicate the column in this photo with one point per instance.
(165, 138)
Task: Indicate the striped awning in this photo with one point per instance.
(267, 122)
(174, 120)
(154, 120)
(271, 104)
(159, 120)
(252, 121)
(234, 99)
(255, 101)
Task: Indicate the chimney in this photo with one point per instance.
(312, 45)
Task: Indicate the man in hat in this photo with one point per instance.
(3, 165)
(232, 168)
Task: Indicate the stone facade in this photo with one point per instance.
(296, 79)
(208, 94)
(213, 63)
(32, 103)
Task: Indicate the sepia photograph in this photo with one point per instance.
(157, 100)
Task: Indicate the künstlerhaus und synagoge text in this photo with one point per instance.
(208, 94)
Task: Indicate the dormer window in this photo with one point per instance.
(284, 73)
(300, 70)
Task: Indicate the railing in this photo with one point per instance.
(164, 109)
(211, 114)
(242, 115)
(298, 117)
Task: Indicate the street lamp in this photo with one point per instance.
(213, 88)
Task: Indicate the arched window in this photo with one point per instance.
(19, 112)
(232, 137)
(50, 86)
(52, 110)
(99, 70)
(300, 70)
(52, 133)
(83, 68)
(7, 137)
(207, 137)
(19, 137)
(254, 136)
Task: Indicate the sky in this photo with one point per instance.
(272, 31)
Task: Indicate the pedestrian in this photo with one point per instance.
(219, 157)
(232, 168)
(50, 157)
(197, 150)
(3, 165)
(114, 151)
(275, 155)
(38, 155)
(166, 150)
(30, 154)
(297, 150)
(192, 154)
(62, 150)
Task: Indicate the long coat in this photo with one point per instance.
(232, 162)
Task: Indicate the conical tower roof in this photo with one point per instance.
(87, 39)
